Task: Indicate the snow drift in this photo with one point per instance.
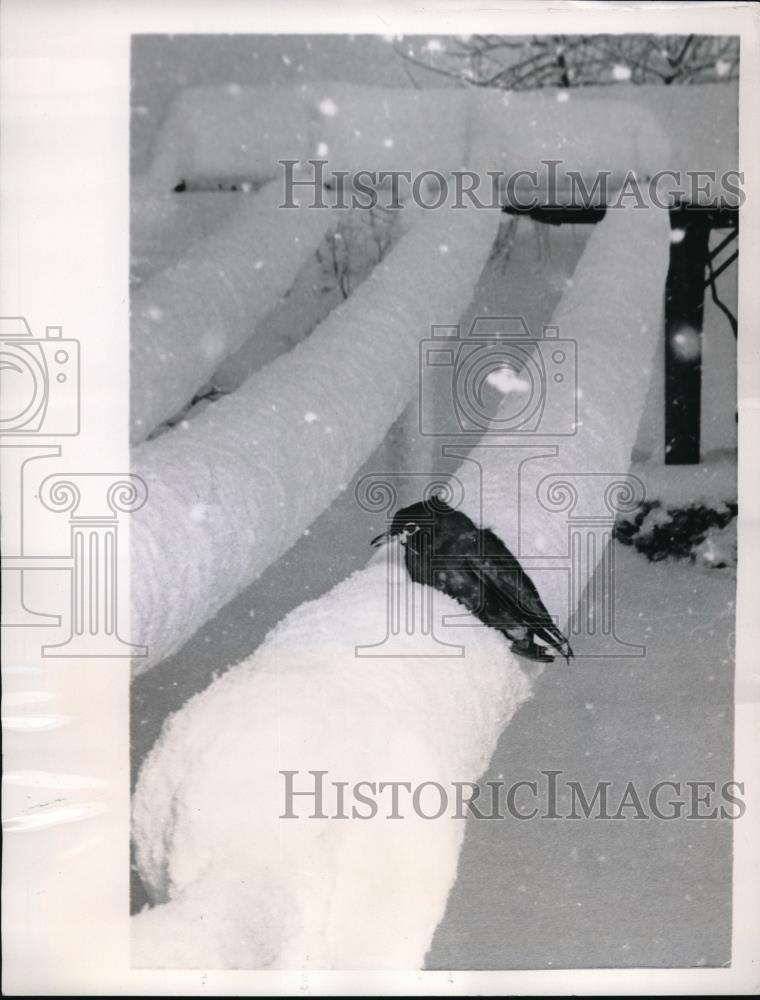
(235, 886)
(237, 485)
(305, 701)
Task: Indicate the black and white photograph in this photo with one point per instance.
(390, 542)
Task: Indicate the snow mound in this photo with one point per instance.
(238, 887)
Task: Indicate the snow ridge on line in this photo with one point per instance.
(199, 310)
(241, 482)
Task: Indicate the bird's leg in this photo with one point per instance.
(531, 650)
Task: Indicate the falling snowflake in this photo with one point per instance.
(310, 417)
(258, 265)
(676, 235)
(388, 143)
(687, 344)
(621, 72)
(155, 313)
(328, 107)
(322, 149)
(506, 379)
(563, 96)
(434, 45)
(722, 68)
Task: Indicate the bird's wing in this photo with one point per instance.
(508, 586)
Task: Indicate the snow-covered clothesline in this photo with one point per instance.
(225, 134)
(587, 476)
(232, 489)
(236, 886)
(189, 317)
(198, 311)
(203, 307)
(164, 225)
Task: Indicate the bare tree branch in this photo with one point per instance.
(531, 62)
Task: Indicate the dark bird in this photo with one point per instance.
(445, 550)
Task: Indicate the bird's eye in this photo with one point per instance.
(411, 528)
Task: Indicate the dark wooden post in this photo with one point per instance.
(684, 311)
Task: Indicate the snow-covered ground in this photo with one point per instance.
(542, 893)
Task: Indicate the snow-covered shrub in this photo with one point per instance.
(704, 534)
(686, 511)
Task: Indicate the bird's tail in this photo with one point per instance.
(557, 640)
(566, 650)
(531, 650)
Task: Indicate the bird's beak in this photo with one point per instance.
(381, 540)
